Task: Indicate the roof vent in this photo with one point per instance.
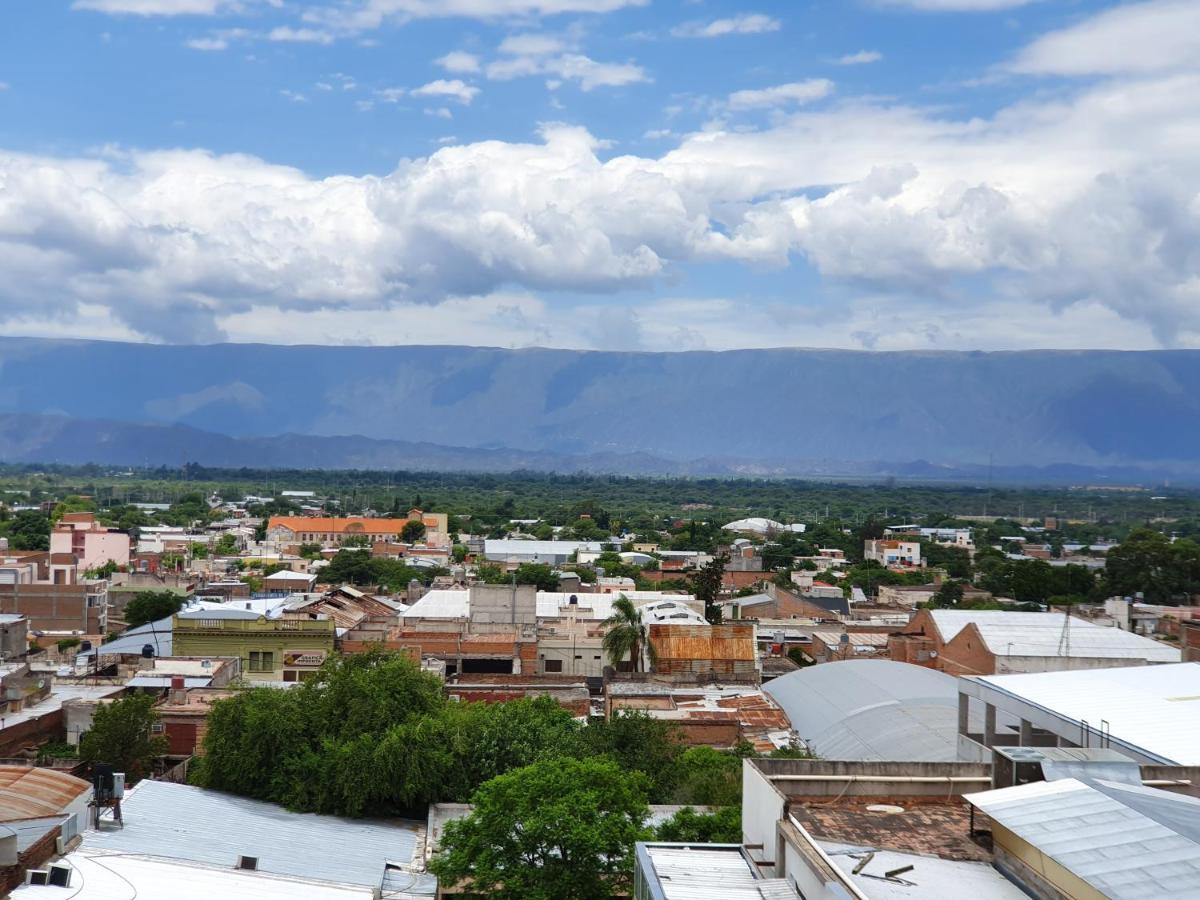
(249, 863)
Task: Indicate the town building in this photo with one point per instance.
(552, 553)
(1151, 714)
(271, 648)
(331, 531)
(872, 709)
(188, 843)
(39, 810)
(46, 588)
(988, 642)
(890, 552)
(683, 872)
(89, 542)
(704, 714)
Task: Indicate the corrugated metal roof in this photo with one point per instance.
(1155, 708)
(728, 641)
(1039, 634)
(31, 793)
(158, 634)
(504, 547)
(1127, 841)
(164, 681)
(929, 878)
(704, 872)
(872, 709)
(188, 823)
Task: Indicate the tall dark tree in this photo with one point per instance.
(708, 583)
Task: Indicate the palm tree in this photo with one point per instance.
(626, 635)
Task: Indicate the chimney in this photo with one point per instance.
(178, 691)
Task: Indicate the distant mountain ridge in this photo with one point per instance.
(737, 411)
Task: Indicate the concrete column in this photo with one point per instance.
(1026, 733)
(964, 713)
(989, 725)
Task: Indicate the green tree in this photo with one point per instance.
(709, 777)
(638, 743)
(226, 545)
(561, 829)
(29, 530)
(626, 635)
(122, 736)
(708, 583)
(724, 826)
(150, 606)
(199, 551)
(948, 595)
(412, 532)
(310, 550)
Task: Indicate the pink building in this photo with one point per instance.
(89, 542)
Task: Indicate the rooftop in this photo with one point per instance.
(928, 876)
(1040, 634)
(1126, 841)
(927, 826)
(30, 793)
(681, 872)
(1153, 708)
(187, 823)
(872, 709)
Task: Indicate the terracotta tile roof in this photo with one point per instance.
(353, 525)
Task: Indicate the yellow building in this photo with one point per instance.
(270, 649)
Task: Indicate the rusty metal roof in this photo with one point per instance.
(31, 793)
(704, 642)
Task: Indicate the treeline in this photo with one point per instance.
(375, 735)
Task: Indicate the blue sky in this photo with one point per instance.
(610, 174)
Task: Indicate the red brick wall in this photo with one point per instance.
(1191, 641)
(32, 733)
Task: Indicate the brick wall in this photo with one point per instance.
(1190, 639)
(34, 857)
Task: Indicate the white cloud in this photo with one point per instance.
(359, 15)
(747, 23)
(959, 5)
(4, 85)
(454, 88)
(161, 7)
(459, 61)
(391, 94)
(285, 33)
(208, 43)
(1070, 217)
(796, 92)
(294, 96)
(862, 57)
(1135, 38)
(531, 45)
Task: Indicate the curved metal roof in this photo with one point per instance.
(874, 709)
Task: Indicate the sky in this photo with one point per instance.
(603, 174)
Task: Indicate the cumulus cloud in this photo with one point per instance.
(862, 57)
(454, 88)
(458, 61)
(1073, 210)
(796, 92)
(959, 5)
(1136, 38)
(747, 23)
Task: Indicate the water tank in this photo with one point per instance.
(177, 682)
(147, 651)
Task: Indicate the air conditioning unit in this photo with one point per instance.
(249, 863)
(118, 784)
(60, 876)
(37, 876)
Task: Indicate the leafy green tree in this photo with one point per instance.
(948, 595)
(122, 736)
(356, 541)
(708, 583)
(724, 826)
(199, 551)
(412, 532)
(626, 635)
(311, 550)
(225, 545)
(709, 777)
(150, 606)
(1163, 571)
(561, 829)
(638, 742)
(29, 530)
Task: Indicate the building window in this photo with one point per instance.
(156, 728)
(262, 661)
(553, 665)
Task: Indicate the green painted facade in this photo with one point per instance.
(270, 649)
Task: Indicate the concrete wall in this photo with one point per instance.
(504, 604)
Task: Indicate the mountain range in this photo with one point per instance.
(771, 412)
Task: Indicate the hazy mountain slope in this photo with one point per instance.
(1033, 408)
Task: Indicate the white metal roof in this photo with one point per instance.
(853, 638)
(507, 547)
(1156, 708)
(930, 876)
(456, 603)
(99, 875)
(702, 873)
(181, 822)
(1039, 634)
(1127, 841)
